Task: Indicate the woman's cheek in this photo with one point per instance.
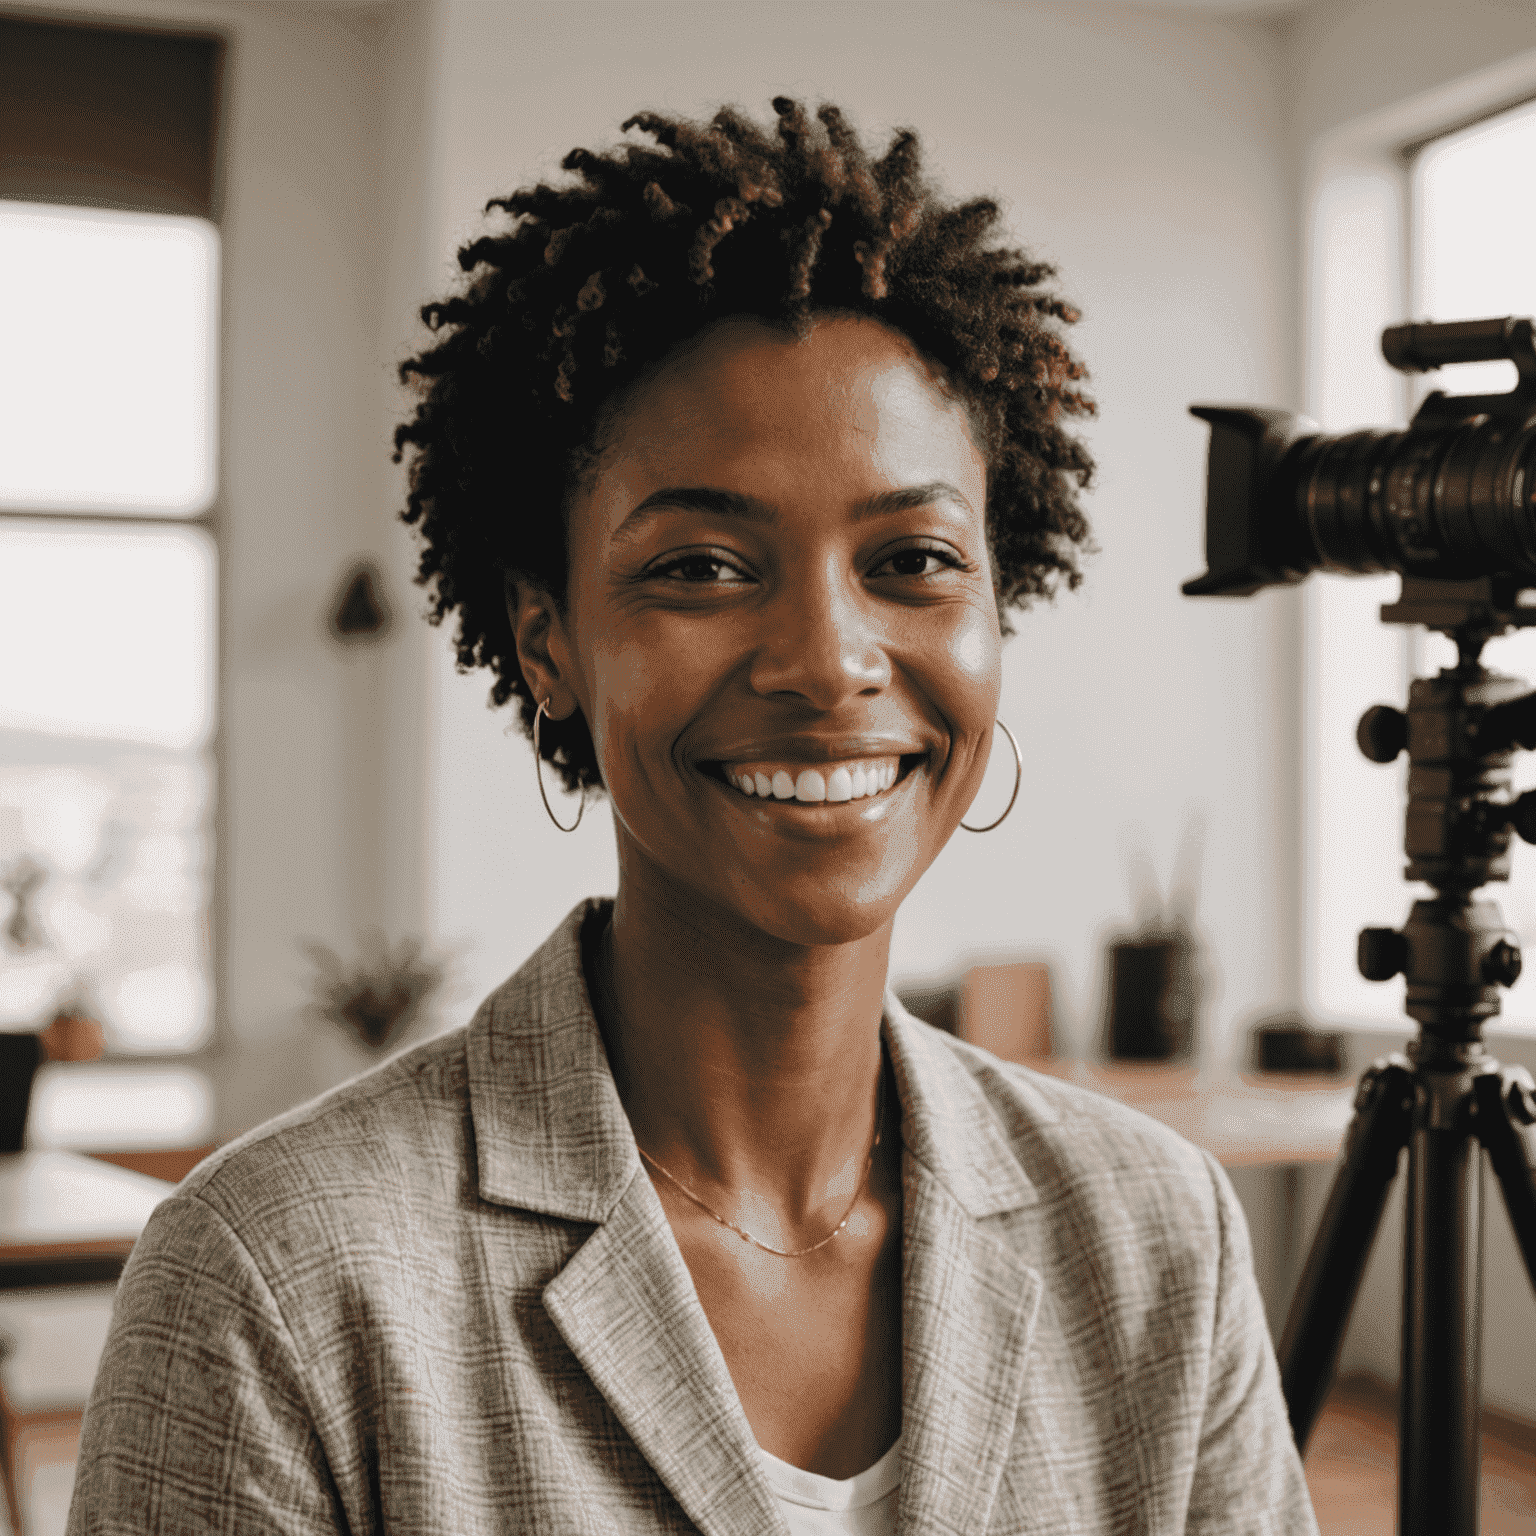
(974, 650)
(968, 694)
(632, 689)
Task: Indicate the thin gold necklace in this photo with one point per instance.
(741, 1232)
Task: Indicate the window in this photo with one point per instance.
(108, 568)
(1470, 231)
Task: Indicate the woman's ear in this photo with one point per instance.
(543, 648)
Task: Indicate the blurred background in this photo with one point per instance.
(255, 827)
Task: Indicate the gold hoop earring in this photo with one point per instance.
(1018, 778)
(538, 773)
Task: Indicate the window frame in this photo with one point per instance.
(209, 522)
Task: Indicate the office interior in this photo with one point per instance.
(1228, 190)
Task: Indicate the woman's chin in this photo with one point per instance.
(806, 895)
(811, 916)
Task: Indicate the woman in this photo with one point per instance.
(731, 458)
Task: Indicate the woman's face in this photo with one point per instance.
(781, 625)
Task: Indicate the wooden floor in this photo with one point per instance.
(1351, 1470)
(1352, 1467)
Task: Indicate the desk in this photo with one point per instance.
(69, 1220)
(1247, 1120)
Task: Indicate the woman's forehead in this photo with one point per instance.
(850, 394)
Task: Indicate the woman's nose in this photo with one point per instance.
(821, 642)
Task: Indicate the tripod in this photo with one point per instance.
(1447, 1100)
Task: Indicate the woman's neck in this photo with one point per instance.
(747, 1066)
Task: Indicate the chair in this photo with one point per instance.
(1006, 1009)
(17, 1430)
(49, 1351)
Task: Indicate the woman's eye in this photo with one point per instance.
(918, 562)
(700, 570)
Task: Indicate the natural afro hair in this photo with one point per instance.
(597, 280)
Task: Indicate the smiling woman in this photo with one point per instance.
(730, 460)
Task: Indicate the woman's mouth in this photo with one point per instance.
(860, 778)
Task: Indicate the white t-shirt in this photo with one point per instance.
(828, 1506)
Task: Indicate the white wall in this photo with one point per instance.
(1145, 154)
(324, 170)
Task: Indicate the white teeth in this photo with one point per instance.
(810, 786)
(836, 784)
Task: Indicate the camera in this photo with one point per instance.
(1451, 499)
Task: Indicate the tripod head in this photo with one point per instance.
(1461, 731)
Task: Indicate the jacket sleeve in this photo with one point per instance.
(1248, 1476)
(198, 1419)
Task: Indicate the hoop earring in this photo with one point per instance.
(1018, 778)
(538, 773)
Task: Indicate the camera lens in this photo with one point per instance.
(1449, 502)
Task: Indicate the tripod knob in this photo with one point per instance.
(1383, 952)
(1382, 734)
(1522, 816)
(1501, 965)
(1520, 1099)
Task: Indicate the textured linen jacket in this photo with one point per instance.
(444, 1298)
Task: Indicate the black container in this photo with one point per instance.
(1154, 996)
(1288, 1045)
(20, 1057)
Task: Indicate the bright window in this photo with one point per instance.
(109, 329)
(108, 595)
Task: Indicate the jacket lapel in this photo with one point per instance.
(968, 1312)
(552, 1136)
(626, 1306)
(970, 1300)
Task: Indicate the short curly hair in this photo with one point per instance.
(597, 281)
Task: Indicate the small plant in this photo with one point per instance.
(379, 997)
(21, 881)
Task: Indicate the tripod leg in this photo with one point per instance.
(1314, 1327)
(1506, 1123)
(1440, 1400)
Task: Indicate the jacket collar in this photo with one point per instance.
(550, 1133)
(551, 1136)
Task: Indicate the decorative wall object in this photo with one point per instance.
(361, 611)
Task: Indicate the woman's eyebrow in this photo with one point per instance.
(705, 498)
(910, 498)
(696, 498)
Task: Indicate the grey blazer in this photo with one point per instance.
(444, 1298)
